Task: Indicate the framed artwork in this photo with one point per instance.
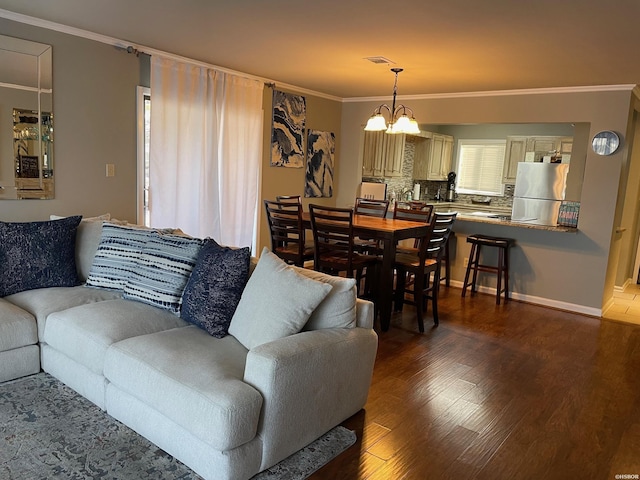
(287, 131)
(321, 147)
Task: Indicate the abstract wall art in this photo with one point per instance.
(321, 147)
(287, 133)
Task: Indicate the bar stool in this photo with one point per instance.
(502, 268)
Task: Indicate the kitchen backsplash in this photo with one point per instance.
(428, 189)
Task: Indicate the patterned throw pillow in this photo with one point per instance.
(38, 255)
(162, 270)
(119, 249)
(214, 289)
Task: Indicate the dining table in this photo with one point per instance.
(389, 232)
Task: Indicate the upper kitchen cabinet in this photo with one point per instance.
(533, 149)
(382, 154)
(515, 152)
(433, 156)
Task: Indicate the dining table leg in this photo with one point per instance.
(385, 291)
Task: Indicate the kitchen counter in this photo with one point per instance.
(492, 215)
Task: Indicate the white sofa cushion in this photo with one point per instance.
(338, 309)
(17, 327)
(276, 302)
(44, 301)
(85, 333)
(193, 379)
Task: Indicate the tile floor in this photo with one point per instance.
(626, 305)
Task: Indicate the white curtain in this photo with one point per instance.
(205, 151)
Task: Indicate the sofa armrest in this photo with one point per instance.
(310, 382)
(364, 313)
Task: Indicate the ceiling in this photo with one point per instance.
(444, 47)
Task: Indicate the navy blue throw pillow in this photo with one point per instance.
(215, 287)
(38, 255)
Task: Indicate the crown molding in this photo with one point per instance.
(123, 44)
(58, 27)
(501, 93)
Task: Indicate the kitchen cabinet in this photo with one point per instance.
(433, 156)
(383, 154)
(515, 151)
(532, 148)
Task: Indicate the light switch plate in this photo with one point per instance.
(111, 170)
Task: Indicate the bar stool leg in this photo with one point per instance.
(476, 267)
(500, 272)
(469, 265)
(506, 274)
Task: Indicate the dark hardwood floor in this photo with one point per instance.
(514, 391)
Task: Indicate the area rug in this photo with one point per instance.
(49, 431)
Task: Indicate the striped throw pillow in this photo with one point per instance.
(118, 250)
(163, 270)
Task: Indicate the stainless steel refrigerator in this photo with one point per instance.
(539, 191)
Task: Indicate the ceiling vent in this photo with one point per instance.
(383, 60)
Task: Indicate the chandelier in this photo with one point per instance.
(399, 121)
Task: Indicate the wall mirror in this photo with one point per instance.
(26, 120)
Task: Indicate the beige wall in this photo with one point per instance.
(629, 224)
(322, 114)
(94, 103)
(567, 270)
(95, 124)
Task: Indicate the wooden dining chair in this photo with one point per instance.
(289, 198)
(422, 266)
(334, 246)
(287, 232)
(418, 205)
(370, 208)
(410, 213)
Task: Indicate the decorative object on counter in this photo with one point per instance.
(605, 142)
(483, 201)
(321, 147)
(287, 130)
(399, 121)
(568, 214)
(451, 187)
(416, 191)
(373, 191)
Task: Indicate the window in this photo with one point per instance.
(144, 123)
(480, 165)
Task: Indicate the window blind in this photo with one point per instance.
(480, 165)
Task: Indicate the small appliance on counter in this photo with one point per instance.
(539, 192)
(451, 187)
(373, 191)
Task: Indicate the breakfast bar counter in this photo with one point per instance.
(493, 215)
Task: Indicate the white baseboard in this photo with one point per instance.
(628, 281)
(546, 302)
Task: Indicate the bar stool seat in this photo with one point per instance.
(501, 269)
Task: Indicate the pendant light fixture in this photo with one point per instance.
(399, 121)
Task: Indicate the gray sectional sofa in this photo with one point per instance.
(294, 358)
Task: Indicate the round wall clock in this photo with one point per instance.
(605, 142)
